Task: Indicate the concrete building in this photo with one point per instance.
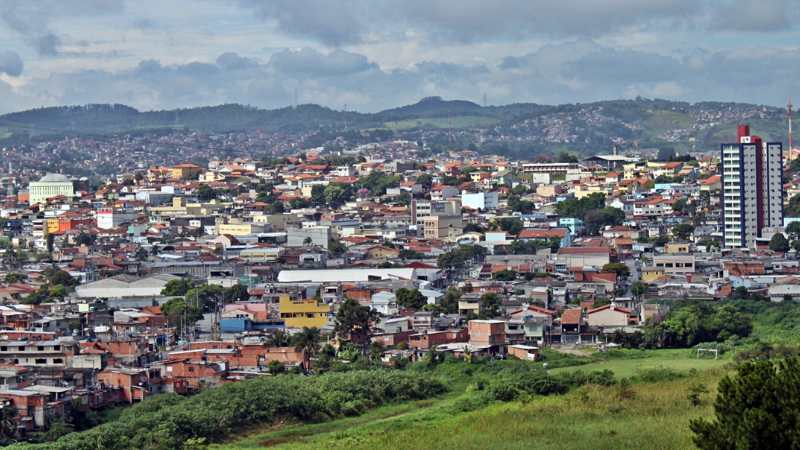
(109, 218)
(442, 227)
(420, 209)
(125, 286)
(674, 264)
(316, 235)
(303, 313)
(752, 190)
(51, 185)
(479, 200)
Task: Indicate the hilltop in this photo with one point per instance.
(638, 123)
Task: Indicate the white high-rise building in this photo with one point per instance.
(752, 189)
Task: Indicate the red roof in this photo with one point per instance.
(542, 233)
(571, 316)
(584, 250)
(604, 307)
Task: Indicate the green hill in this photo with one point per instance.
(510, 129)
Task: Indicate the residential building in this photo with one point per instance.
(752, 189)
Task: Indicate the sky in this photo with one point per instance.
(368, 55)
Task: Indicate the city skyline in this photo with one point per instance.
(373, 55)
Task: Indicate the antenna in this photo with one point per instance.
(789, 117)
(484, 99)
(295, 97)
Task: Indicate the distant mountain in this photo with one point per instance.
(514, 129)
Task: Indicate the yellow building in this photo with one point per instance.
(652, 274)
(53, 225)
(303, 313)
(185, 171)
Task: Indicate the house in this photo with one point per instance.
(303, 313)
(134, 384)
(581, 257)
(489, 335)
(384, 302)
(608, 316)
(524, 352)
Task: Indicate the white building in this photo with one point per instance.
(108, 219)
(479, 200)
(50, 185)
(752, 188)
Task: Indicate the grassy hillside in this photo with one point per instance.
(653, 412)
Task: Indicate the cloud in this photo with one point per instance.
(31, 19)
(310, 62)
(355, 21)
(757, 16)
(10, 63)
(574, 71)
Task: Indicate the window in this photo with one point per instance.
(58, 361)
(40, 361)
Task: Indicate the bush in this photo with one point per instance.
(657, 375)
(169, 421)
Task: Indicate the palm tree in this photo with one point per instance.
(307, 341)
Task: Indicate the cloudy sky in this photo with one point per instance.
(374, 54)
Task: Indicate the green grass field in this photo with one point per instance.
(654, 416)
(441, 122)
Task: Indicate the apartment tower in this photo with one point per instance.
(752, 191)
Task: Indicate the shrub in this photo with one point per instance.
(172, 422)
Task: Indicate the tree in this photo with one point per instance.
(410, 298)
(85, 239)
(517, 204)
(778, 243)
(490, 306)
(8, 425)
(580, 207)
(336, 247)
(597, 219)
(638, 289)
(276, 367)
(459, 257)
(793, 208)
(15, 277)
(279, 338)
(354, 323)
(565, 157)
(177, 288)
(510, 225)
(621, 269)
(337, 194)
(317, 195)
(425, 180)
(307, 341)
(410, 254)
(793, 229)
(449, 303)
(54, 276)
(205, 193)
(180, 313)
(680, 204)
(758, 408)
(666, 153)
(683, 231)
(506, 275)
(236, 293)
